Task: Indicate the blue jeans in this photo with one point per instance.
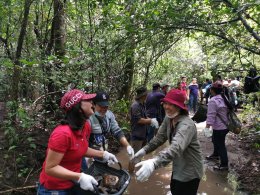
(150, 133)
(41, 190)
(193, 103)
(84, 165)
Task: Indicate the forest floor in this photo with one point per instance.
(244, 160)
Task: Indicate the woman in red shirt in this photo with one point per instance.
(67, 145)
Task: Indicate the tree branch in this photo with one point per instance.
(224, 22)
(244, 22)
(253, 50)
(7, 50)
(27, 5)
(249, 28)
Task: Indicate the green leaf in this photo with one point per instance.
(33, 146)
(12, 148)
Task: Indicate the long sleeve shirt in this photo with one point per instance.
(101, 128)
(216, 109)
(184, 149)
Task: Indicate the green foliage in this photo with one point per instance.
(251, 114)
(121, 108)
(20, 144)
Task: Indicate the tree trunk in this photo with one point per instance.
(18, 53)
(130, 56)
(56, 42)
(59, 28)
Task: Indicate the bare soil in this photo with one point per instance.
(244, 159)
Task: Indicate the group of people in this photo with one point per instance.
(156, 117)
(82, 133)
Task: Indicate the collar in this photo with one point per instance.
(176, 119)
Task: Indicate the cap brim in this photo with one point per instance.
(88, 96)
(103, 103)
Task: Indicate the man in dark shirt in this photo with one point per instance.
(139, 120)
(192, 94)
(153, 108)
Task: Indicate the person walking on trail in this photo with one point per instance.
(103, 123)
(153, 108)
(193, 95)
(164, 88)
(217, 113)
(183, 85)
(205, 90)
(184, 150)
(67, 144)
(139, 120)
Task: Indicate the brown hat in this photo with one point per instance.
(140, 92)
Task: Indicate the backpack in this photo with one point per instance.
(234, 124)
(201, 114)
(251, 84)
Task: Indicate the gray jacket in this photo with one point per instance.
(98, 134)
(184, 149)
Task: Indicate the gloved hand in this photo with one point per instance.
(154, 123)
(110, 158)
(207, 132)
(86, 182)
(130, 151)
(146, 170)
(139, 154)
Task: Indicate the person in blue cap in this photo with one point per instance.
(103, 123)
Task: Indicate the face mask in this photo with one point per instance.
(97, 113)
(171, 116)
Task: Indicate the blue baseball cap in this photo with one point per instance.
(101, 99)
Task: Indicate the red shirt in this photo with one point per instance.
(73, 144)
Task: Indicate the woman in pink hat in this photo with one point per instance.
(67, 144)
(184, 149)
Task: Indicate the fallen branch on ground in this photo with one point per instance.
(18, 189)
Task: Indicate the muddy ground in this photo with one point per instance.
(244, 159)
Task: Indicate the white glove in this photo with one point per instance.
(130, 151)
(139, 154)
(86, 182)
(146, 170)
(207, 132)
(154, 123)
(110, 158)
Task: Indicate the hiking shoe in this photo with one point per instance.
(212, 157)
(221, 168)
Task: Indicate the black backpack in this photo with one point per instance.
(251, 84)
